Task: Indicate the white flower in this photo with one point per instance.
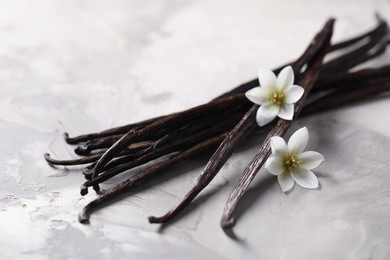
(290, 163)
(275, 96)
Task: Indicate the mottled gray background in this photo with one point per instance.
(83, 66)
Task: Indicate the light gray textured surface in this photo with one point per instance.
(83, 66)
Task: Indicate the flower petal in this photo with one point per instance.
(267, 78)
(257, 95)
(286, 111)
(285, 78)
(274, 165)
(266, 114)
(311, 159)
(293, 94)
(286, 182)
(278, 146)
(298, 141)
(305, 178)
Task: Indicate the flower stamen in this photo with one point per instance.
(276, 97)
(291, 161)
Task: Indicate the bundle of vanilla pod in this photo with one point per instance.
(223, 123)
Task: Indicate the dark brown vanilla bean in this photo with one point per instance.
(168, 122)
(96, 144)
(245, 126)
(346, 79)
(370, 50)
(342, 82)
(174, 146)
(195, 130)
(307, 81)
(78, 161)
(355, 60)
(109, 132)
(361, 91)
(88, 171)
(352, 41)
(93, 158)
(147, 173)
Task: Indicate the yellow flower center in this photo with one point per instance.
(291, 161)
(276, 97)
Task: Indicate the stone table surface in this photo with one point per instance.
(84, 66)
